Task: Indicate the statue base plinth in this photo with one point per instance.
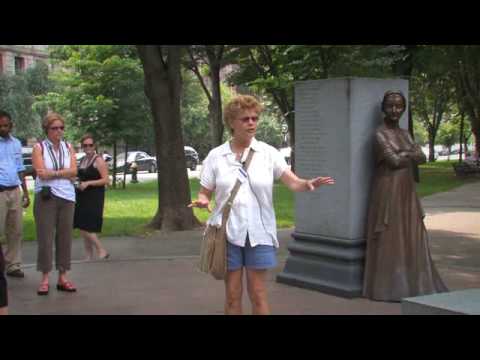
(331, 265)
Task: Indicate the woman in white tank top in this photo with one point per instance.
(55, 164)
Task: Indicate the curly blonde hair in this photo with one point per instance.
(238, 105)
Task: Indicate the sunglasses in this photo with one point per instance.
(247, 118)
(88, 145)
(55, 128)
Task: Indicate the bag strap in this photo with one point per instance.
(228, 206)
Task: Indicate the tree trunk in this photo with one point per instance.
(215, 106)
(476, 139)
(468, 76)
(475, 126)
(465, 145)
(404, 68)
(161, 65)
(462, 123)
(416, 169)
(114, 180)
(290, 119)
(125, 166)
(431, 146)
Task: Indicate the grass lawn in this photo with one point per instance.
(127, 211)
(438, 177)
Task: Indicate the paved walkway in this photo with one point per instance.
(157, 275)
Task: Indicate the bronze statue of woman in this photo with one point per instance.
(398, 261)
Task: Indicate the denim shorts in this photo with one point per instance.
(260, 257)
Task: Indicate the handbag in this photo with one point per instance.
(213, 252)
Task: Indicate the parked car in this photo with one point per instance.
(191, 158)
(80, 156)
(144, 162)
(426, 151)
(27, 160)
(443, 152)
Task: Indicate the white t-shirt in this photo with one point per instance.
(252, 211)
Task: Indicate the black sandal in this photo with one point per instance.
(67, 286)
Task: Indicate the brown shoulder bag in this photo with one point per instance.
(213, 253)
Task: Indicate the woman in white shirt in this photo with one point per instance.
(55, 164)
(251, 226)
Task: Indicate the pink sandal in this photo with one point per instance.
(66, 286)
(43, 289)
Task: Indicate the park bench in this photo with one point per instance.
(467, 169)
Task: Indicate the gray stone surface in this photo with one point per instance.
(465, 302)
(335, 123)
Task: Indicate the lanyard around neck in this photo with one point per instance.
(58, 163)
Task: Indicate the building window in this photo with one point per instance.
(19, 64)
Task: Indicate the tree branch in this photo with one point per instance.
(196, 71)
(220, 52)
(162, 60)
(260, 69)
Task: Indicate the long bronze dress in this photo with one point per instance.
(398, 261)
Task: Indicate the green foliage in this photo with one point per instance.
(38, 81)
(269, 130)
(465, 60)
(273, 69)
(17, 96)
(421, 135)
(432, 89)
(100, 89)
(195, 121)
(194, 112)
(277, 67)
(449, 134)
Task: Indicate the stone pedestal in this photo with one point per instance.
(335, 120)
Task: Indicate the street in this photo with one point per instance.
(141, 176)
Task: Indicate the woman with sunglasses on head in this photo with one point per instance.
(251, 226)
(92, 176)
(55, 164)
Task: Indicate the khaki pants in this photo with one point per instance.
(3, 282)
(53, 223)
(11, 216)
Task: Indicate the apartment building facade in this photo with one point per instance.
(18, 58)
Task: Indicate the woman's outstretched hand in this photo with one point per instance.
(312, 184)
(202, 204)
